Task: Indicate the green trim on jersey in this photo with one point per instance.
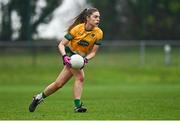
(68, 36)
(99, 42)
(68, 51)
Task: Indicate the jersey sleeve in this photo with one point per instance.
(99, 38)
(72, 33)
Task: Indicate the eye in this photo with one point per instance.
(96, 16)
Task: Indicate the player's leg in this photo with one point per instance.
(78, 88)
(63, 77)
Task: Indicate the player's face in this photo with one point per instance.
(94, 19)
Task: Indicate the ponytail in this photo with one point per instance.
(81, 18)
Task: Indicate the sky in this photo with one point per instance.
(62, 18)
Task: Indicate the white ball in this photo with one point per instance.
(77, 61)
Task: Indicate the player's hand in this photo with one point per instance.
(85, 62)
(66, 60)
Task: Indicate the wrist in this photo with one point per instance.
(86, 60)
(64, 55)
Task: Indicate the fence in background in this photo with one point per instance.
(33, 47)
(165, 45)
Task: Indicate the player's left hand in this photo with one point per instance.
(85, 62)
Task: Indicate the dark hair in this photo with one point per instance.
(81, 18)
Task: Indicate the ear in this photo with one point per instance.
(88, 18)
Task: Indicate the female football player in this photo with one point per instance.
(83, 38)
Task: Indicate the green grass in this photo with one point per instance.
(116, 87)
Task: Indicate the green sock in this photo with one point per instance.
(77, 102)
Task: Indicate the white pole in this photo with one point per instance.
(167, 53)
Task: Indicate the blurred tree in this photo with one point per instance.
(29, 18)
(109, 14)
(163, 20)
(121, 19)
(140, 19)
(6, 29)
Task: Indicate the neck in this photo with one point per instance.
(88, 27)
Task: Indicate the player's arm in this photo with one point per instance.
(68, 37)
(62, 45)
(93, 52)
(95, 47)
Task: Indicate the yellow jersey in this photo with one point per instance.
(82, 41)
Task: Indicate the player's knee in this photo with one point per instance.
(80, 78)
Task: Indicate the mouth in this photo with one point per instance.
(97, 23)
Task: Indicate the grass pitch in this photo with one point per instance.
(116, 87)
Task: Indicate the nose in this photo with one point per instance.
(98, 19)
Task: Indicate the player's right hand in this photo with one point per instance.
(66, 60)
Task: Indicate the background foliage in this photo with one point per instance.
(140, 19)
(121, 19)
(26, 9)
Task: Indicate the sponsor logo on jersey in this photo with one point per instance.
(83, 43)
